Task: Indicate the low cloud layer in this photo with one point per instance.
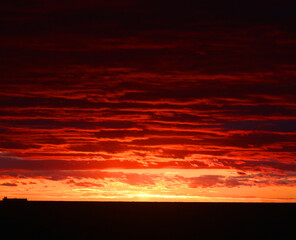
(148, 85)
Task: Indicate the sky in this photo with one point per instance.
(148, 100)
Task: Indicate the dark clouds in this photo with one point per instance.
(7, 184)
(148, 84)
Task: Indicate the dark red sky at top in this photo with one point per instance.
(102, 85)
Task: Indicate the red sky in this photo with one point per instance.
(148, 100)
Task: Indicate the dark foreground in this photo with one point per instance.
(115, 220)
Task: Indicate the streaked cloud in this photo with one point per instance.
(146, 85)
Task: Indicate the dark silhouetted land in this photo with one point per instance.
(139, 220)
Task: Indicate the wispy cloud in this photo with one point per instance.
(147, 85)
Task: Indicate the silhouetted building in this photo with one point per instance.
(5, 199)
